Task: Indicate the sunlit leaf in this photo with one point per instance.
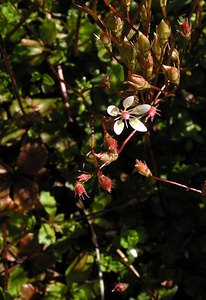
(48, 202)
(46, 235)
(17, 278)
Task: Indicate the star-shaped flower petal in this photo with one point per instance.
(131, 116)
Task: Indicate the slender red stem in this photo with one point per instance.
(126, 141)
(177, 184)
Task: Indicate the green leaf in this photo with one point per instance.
(129, 239)
(48, 202)
(48, 31)
(16, 279)
(80, 268)
(46, 235)
(55, 290)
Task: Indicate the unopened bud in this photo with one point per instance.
(105, 38)
(110, 143)
(163, 3)
(173, 74)
(176, 57)
(114, 24)
(34, 47)
(80, 190)
(145, 15)
(143, 45)
(163, 32)
(128, 55)
(185, 29)
(156, 48)
(138, 82)
(142, 168)
(104, 182)
(126, 6)
(149, 65)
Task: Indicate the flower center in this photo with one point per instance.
(125, 115)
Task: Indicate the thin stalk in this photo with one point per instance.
(93, 141)
(11, 74)
(125, 261)
(177, 184)
(97, 249)
(126, 141)
(64, 91)
(4, 255)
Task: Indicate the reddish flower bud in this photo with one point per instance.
(80, 190)
(142, 168)
(185, 29)
(84, 177)
(110, 143)
(138, 82)
(163, 32)
(104, 182)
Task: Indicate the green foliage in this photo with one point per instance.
(76, 218)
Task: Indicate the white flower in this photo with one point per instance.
(131, 115)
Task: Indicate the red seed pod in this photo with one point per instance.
(80, 190)
(104, 182)
(142, 168)
(84, 177)
(110, 143)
